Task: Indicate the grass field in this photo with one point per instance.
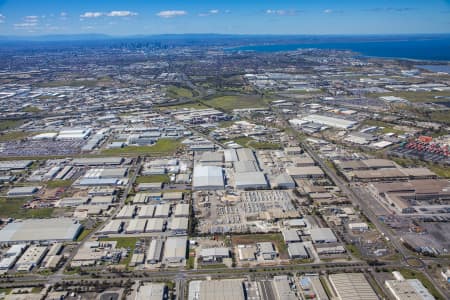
(228, 103)
(275, 238)
(441, 116)
(32, 109)
(59, 183)
(415, 96)
(10, 124)
(411, 274)
(12, 208)
(14, 136)
(162, 147)
(249, 142)
(153, 178)
(387, 127)
(195, 105)
(179, 92)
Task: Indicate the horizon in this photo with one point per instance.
(287, 17)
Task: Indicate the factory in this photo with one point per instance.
(155, 225)
(305, 172)
(98, 161)
(250, 181)
(405, 289)
(175, 250)
(31, 257)
(330, 121)
(40, 230)
(322, 235)
(216, 290)
(151, 291)
(179, 226)
(182, 210)
(23, 191)
(352, 286)
(214, 254)
(154, 251)
(297, 251)
(208, 178)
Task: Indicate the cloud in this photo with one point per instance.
(90, 14)
(282, 12)
(2, 18)
(328, 11)
(171, 13)
(63, 14)
(209, 13)
(121, 13)
(390, 9)
(28, 23)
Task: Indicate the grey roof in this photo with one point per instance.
(96, 161)
(245, 154)
(221, 289)
(251, 179)
(23, 190)
(208, 177)
(245, 166)
(297, 250)
(216, 252)
(322, 234)
(175, 247)
(40, 230)
(290, 235)
(352, 286)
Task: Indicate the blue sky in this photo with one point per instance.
(129, 17)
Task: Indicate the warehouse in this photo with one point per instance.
(155, 225)
(151, 291)
(352, 286)
(23, 191)
(179, 226)
(230, 155)
(152, 186)
(208, 178)
(282, 181)
(305, 172)
(245, 166)
(330, 121)
(57, 229)
(216, 290)
(173, 196)
(246, 154)
(146, 211)
(72, 201)
(251, 180)
(208, 158)
(10, 165)
(214, 254)
(31, 258)
(127, 212)
(247, 252)
(99, 182)
(114, 226)
(322, 235)
(405, 289)
(266, 250)
(155, 251)
(290, 236)
(102, 200)
(98, 161)
(182, 210)
(106, 173)
(175, 250)
(136, 226)
(162, 210)
(358, 226)
(297, 251)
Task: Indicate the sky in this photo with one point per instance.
(147, 17)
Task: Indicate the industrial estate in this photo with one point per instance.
(180, 170)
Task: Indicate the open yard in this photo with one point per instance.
(161, 147)
(10, 124)
(14, 136)
(179, 92)
(275, 238)
(228, 103)
(153, 178)
(13, 208)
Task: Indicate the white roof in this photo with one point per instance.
(208, 177)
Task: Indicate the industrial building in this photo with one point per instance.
(162, 210)
(126, 212)
(330, 121)
(216, 290)
(182, 210)
(154, 252)
(290, 236)
(297, 251)
(155, 225)
(146, 211)
(322, 235)
(98, 161)
(151, 291)
(114, 226)
(175, 250)
(250, 180)
(352, 286)
(23, 191)
(136, 226)
(31, 230)
(31, 257)
(407, 289)
(207, 178)
(305, 172)
(179, 226)
(214, 254)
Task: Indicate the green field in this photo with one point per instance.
(161, 147)
(440, 116)
(59, 183)
(14, 136)
(415, 96)
(387, 127)
(12, 208)
(228, 103)
(178, 92)
(32, 109)
(10, 124)
(249, 142)
(194, 105)
(153, 178)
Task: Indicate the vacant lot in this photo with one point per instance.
(161, 147)
(275, 238)
(14, 136)
(10, 124)
(153, 178)
(416, 96)
(228, 103)
(13, 208)
(179, 92)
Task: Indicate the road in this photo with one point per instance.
(357, 200)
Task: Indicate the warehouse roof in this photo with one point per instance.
(352, 286)
(222, 289)
(322, 234)
(250, 179)
(97, 161)
(297, 250)
(40, 230)
(208, 177)
(305, 171)
(175, 247)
